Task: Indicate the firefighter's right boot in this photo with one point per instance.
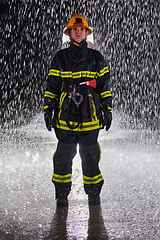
(62, 163)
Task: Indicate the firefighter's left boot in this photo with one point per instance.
(93, 199)
(92, 176)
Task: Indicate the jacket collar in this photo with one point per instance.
(82, 50)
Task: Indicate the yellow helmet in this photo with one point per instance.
(77, 21)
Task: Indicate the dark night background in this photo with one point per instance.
(126, 32)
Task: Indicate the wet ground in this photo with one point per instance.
(130, 198)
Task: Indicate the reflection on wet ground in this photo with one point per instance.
(130, 197)
(58, 225)
(96, 227)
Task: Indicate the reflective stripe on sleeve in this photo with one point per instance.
(49, 94)
(103, 71)
(45, 107)
(54, 72)
(105, 94)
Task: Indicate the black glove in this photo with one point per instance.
(107, 118)
(48, 118)
(49, 106)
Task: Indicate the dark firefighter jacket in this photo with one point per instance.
(69, 79)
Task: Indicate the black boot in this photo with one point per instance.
(92, 176)
(94, 199)
(62, 161)
(62, 200)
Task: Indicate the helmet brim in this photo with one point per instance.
(66, 32)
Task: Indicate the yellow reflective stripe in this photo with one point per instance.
(60, 102)
(61, 178)
(78, 74)
(94, 111)
(54, 72)
(103, 71)
(50, 94)
(105, 94)
(84, 74)
(45, 107)
(63, 94)
(70, 74)
(85, 126)
(92, 180)
(53, 155)
(99, 151)
(66, 74)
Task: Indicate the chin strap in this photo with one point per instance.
(81, 43)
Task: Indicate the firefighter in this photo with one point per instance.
(78, 93)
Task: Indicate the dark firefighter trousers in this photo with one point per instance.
(89, 150)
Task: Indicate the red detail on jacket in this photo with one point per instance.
(78, 62)
(91, 83)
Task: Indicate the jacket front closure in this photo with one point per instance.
(77, 66)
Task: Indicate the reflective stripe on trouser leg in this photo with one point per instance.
(92, 176)
(92, 180)
(61, 178)
(62, 163)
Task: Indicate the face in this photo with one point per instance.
(78, 34)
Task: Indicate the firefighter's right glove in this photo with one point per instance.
(48, 118)
(107, 118)
(49, 106)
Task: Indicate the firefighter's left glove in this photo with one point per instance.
(107, 118)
